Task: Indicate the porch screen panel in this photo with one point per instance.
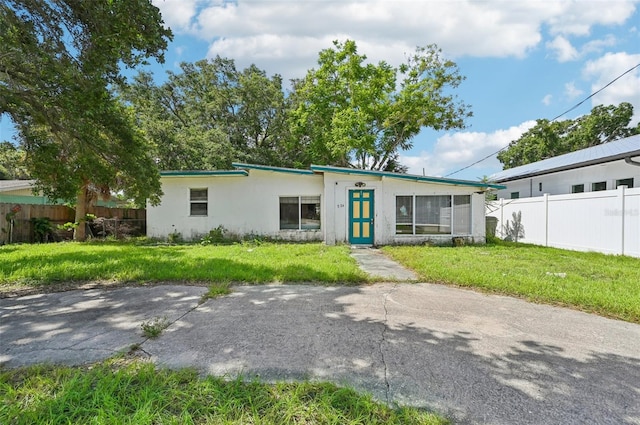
(310, 212)
(404, 215)
(462, 215)
(433, 214)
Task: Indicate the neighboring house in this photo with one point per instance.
(323, 203)
(16, 187)
(21, 192)
(602, 167)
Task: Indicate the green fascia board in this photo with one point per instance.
(412, 177)
(200, 173)
(276, 169)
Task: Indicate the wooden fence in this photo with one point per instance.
(133, 220)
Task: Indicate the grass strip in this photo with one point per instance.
(604, 284)
(33, 265)
(116, 392)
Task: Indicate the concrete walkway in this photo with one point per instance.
(373, 262)
(479, 359)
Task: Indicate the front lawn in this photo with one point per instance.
(139, 393)
(604, 284)
(45, 264)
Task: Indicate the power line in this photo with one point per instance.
(564, 113)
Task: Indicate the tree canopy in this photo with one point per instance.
(58, 59)
(552, 138)
(348, 112)
(12, 165)
(211, 114)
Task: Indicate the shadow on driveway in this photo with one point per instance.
(476, 358)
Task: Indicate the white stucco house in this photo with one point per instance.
(323, 203)
(602, 167)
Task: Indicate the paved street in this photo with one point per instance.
(474, 357)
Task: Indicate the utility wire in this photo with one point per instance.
(564, 113)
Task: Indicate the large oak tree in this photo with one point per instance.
(211, 114)
(58, 60)
(352, 113)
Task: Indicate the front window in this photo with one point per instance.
(432, 215)
(199, 199)
(299, 212)
(515, 195)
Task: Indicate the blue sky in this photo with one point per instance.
(523, 60)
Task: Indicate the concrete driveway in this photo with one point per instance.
(476, 358)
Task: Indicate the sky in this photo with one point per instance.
(523, 59)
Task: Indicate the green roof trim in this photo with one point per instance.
(412, 177)
(200, 173)
(276, 169)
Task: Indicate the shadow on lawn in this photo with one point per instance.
(159, 264)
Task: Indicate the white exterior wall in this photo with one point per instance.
(18, 192)
(605, 221)
(561, 182)
(243, 205)
(246, 205)
(338, 185)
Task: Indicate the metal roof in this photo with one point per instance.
(606, 152)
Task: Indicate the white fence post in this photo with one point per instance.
(501, 217)
(621, 196)
(546, 219)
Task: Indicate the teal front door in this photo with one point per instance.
(361, 217)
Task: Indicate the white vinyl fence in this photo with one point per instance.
(606, 221)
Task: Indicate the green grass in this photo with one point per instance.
(154, 327)
(117, 392)
(32, 265)
(603, 284)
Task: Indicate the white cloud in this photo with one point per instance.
(571, 91)
(177, 14)
(563, 49)
(286, 35)
(547, 100)
(606, 68)
(457, 150)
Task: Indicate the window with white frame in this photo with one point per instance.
(432, 215)
(198, 199)
(299, 212)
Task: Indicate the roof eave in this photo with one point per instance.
(274, 169)
(571, 166)
(411, 177)
(201, 173)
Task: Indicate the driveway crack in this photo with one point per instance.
(383, 340)
(147, 338)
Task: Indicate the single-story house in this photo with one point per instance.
(21, 192)
(322, 203)
(601, 167)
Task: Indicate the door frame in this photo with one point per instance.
(363, 222)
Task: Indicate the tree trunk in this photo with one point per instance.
(80, 233)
